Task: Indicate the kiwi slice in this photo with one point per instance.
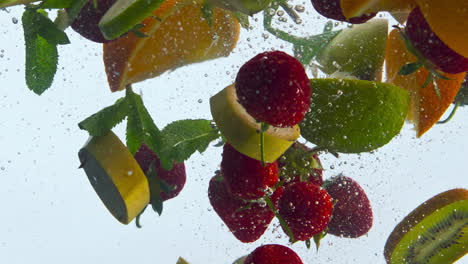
(435, 232)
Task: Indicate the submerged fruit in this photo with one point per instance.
(273, 87)
(248, 7)
(273, 254)
(435, 232)
(332, 9)
(242, 131)
(353, 116)
(132, 59)
(298, 163)
(353, 8)
(359, 50)
(115, 176)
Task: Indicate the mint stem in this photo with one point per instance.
(16, 2)
(65, 18)
(454, 110)
(267, 18)
(283, 223)
(291, 13)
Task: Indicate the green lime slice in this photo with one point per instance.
(124, 15)
(353, 116)
(359, 50)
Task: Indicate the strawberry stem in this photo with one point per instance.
(263, 128)
(283, 223)
(454, 110)
(137, 219)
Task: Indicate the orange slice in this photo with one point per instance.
(355, 8)
(426, 108)
(449, 20)
(177, 35)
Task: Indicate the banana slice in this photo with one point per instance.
(242, 131)
(115, 176)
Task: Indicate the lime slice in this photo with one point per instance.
(124, 15)
(359, 50)
(242, 131)
(353, 116)
(115, 176)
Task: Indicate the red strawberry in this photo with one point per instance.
(273, 254)
(274, 88)
(86, 23)
(175, 178)
(431, 46)
(247, 220)
(299, 164)
(332, 9)
(306, 208)
(245, 177)
(352, 212)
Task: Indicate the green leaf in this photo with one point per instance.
(410, 68)
(305, 51)
(182, 138)
(207, 12)
(155, 190)
(243, 19)
(181, 261)
(41, 55)
(103, 121)
(140, 125)
(48, 30)
(57, 3)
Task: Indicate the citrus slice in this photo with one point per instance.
(448, 20)
(178, 35)
(353, 116)
(426, 107)
(355, 8)
(242, 131)
(124, 15)
(115, 176)
(435, 232)
(359, 50)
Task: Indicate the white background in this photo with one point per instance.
(50, 213)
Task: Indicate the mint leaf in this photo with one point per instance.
(41, 56)
(57, 3)
(48, 30)
(101, 122)
(182, 138)
(140, 125)
(308, 48)
(155, 190)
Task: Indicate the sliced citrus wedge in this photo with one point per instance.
(353, 116)
(435, 232)
(359, 50)
(355, 8)
(449, 20)
(178, 35)
(242, 131)
(426, 107)
(115, 176)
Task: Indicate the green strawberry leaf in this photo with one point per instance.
(57, 3)
(182, 138)
(41, 55)
(155, 190)
(305, 51)
(101, 122)
(140, 125)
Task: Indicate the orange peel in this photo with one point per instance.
(177, 35)
(426, 107)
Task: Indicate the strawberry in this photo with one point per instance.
(273, 254)
(332, 9)
(273, 87)
(299, 164)
(431, 46)
(306, 208)
(247, 220)
(175, 178)
(245, 177)
(86, 23)
(352, 212)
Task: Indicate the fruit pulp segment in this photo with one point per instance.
(458, 231)
(242, 131)
(124, 172)
(448, 20)
(355, 8)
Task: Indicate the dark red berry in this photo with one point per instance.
(247, 220)
(352, 212)
(245, 177)
(431, 46)
(332, 9)
(86, 23)
(273, 254)
(306, 208)
(274, 88)
(299, 164)
(175, 178)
